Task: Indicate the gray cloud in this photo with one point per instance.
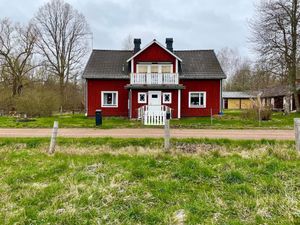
(194, 24)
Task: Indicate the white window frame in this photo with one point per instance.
(158, 64)
(163, 96)
(204, 99)
(142, 93)
(109, 92)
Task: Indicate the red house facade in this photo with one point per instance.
(152, 81)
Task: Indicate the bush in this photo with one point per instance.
(265, 113)
(38, 102)
(6, 101)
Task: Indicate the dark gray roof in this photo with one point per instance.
(276, 91)
(111, 64)
(237, 94)
(199, 64)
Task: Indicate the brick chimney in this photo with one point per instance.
(137, 45)
(169, 43)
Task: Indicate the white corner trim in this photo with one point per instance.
(179, 104)
(109, 106)
(86, 97)
(204, 99)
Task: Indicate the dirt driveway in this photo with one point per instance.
(141, 133)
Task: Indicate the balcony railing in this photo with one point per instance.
(154, 78)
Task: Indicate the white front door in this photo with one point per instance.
(154, 99)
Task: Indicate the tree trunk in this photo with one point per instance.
(295, 93)
(293, 68)
(14, 87)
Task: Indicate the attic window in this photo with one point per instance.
(142, 68)
(154, 68)
(166, 68)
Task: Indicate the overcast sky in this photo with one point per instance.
(194, 24)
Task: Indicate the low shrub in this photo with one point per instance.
(38, 102)
(6, 101)
(265, 114)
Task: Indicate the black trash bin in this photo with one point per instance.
(98, 117)
(168, 115)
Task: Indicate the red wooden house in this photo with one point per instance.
(153, 80)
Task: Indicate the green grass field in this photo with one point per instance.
(130, 181)
(230, 120)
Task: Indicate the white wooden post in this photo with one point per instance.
(53, 138)
(167, 132)
(297, 133)
(259, 107)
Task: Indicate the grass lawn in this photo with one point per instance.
(69, 121)
(130, 181)
(230, 120)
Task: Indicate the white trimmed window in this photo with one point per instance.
(109, 99)
(142, 68)
(197, 99)
(155, 68)
(167, 69)
(167, 98)
(142, 97)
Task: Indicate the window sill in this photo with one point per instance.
(109, 106)
(197, 107)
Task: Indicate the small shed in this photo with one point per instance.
(237, 100)
(278, 96)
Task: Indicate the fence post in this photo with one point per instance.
(53, 138)
(167, 131)
(297, 133)
(259, 107)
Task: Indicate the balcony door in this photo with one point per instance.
(154, 100)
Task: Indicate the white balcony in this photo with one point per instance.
(154, 78)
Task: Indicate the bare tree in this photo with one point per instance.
(127, 43)
(237, 68)
(276, 38)
(16, 52)
(230, 60)
(62, 41)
